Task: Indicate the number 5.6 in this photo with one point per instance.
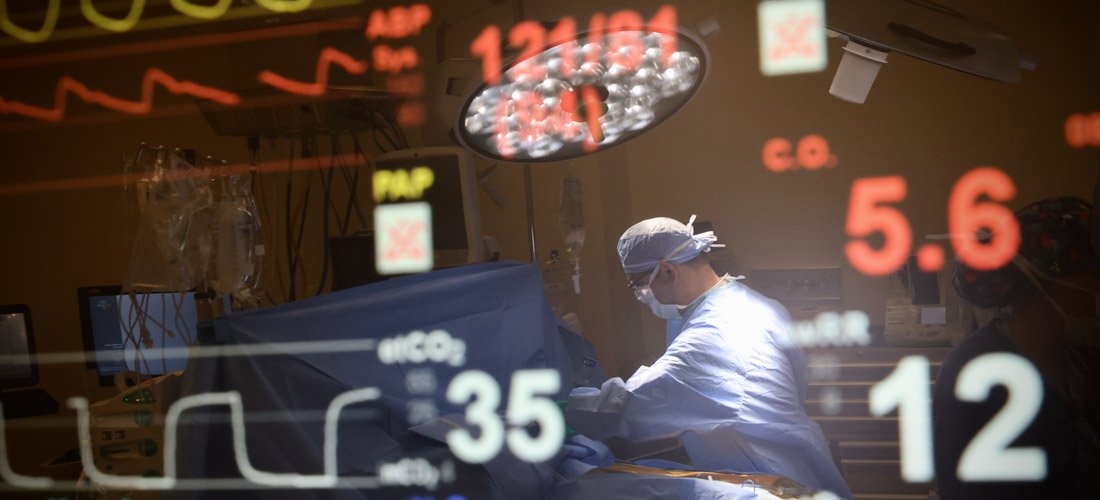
(527, 402)
(988, 456)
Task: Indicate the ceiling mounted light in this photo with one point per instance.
(582, 96)
(922, 29)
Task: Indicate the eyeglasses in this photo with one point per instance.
(643, 279)
(638, 282)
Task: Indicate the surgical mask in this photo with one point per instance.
(1079, 331)
(645, 295)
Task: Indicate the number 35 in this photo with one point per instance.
(988, 456)
(524, 406)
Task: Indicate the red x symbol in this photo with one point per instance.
(403, 235)
(792, 33)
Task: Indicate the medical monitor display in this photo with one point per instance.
(18, 368)
(145, 332)
(443, 192)
(445, 179)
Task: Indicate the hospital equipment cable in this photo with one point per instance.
(374, 137)
(329, 176)
(181, 326)
(351, 177)
(359, 151)
(270, 234)
(378, 127)
(302, 212)
(163, 335)
(326, 205)
(291, 295)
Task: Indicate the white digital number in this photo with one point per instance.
(988, 456)
(481, 412)
(906, 388)
(526, 403)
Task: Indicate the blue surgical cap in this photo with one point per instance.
(648, 242)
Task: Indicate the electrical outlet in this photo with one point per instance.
(784, 285)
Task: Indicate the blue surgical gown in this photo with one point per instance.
(731, 385)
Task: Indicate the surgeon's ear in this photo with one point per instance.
(671, 273)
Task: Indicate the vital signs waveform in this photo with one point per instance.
(328, 57)
(153, 76)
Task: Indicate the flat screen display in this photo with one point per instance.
(17, 368)
(144, 332)
(444, 195)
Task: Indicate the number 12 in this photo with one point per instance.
(988, 456)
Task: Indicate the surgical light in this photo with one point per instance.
(583, 95)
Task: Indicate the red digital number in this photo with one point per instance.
(1083, 130)
(624, 45)
(487, 46)
(529, 114)
(597, 28)
(531, 36)
(406, 85)
(563, 32)
(592, 103)
(664, 22)
(866, 216)
(965, 218)
(411, 114)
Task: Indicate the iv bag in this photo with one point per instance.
(171, 248)
(238, 242)
(571, 219)
(571, 215)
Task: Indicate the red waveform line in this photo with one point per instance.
(328, 56)
(186, 42)
(93, 118)
(118, 180)
(160, 111)
(152, 77)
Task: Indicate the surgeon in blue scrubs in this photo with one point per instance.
(731, 384)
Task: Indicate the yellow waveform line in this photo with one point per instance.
(117, 25)
(25, 35)
(191, 14)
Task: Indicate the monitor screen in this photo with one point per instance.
(144, 332)
(443, 194)
(16, 348)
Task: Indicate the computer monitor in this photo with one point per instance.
(146, 332)
(18, 368)
(452, 195)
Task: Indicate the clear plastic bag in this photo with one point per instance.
(237, 267)
(172, 244)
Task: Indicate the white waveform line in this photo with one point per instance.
(219, 351)
(252, 477)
